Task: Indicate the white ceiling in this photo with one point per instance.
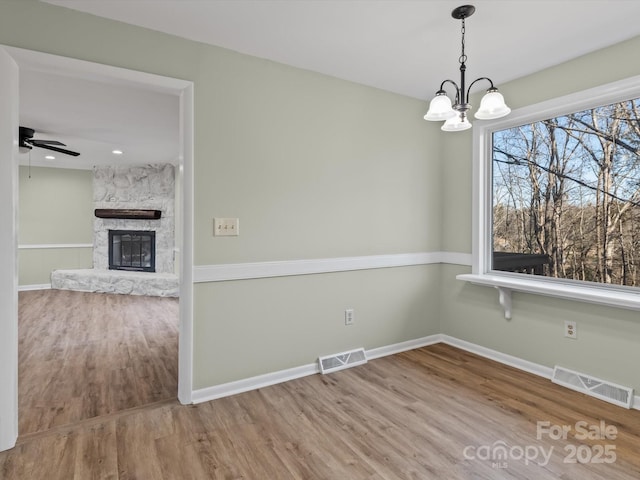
(94, 118)
(403, 46)
(94, 111)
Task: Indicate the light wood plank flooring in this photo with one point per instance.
(84, 355)
(407, 416)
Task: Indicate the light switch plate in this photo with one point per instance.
(226, 227)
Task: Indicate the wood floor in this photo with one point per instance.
(84, 355)
(431, 413)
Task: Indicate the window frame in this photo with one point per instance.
(482, 204)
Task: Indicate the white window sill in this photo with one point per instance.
(598, 294)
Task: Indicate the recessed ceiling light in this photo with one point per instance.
(117, 152)
(50, 157)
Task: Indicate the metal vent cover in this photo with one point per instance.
(340, 361)
(595, 387)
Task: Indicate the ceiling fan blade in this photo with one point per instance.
(40, 143)
(56, 149)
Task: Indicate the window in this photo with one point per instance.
(557, 198)
(566, 196)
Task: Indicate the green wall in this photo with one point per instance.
(314, 167)
(608, 338)
(259, 326)
(55, 207)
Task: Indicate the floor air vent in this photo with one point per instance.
(607, 391)
(340, 361)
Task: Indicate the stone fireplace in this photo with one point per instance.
(140, 188)
(133, 233)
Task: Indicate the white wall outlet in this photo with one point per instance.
(349, 316)
(570, 330)
(226, 227)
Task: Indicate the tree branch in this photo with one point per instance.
(524, 161)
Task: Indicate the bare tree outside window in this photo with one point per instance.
(566, 196)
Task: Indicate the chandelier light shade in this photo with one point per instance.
(454, 114)
(457, 123)
(440, 108)
(492, 106)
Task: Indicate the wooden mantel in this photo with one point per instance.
(128, 213)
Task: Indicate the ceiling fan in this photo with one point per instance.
(27, 142)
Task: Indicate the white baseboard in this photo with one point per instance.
(42, 286)
(504, 358)
(403, 346)
(519, 363)
(252, 383)
(260, 381)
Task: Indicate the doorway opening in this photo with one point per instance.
(184, 91)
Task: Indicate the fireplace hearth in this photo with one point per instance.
(132, 250)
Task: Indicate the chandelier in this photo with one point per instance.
(455, 116)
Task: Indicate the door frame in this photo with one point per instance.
(8, 248)
(184, 90)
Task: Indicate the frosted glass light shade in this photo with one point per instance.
(440, 108)
(456, 124)
(492, 106)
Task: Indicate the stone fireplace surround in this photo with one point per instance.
(125, 188)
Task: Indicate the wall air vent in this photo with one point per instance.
(340, 361)
(607, 391)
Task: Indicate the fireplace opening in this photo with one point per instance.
(132, 250)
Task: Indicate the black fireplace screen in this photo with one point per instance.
(132, 250)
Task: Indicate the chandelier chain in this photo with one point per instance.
(463, 57)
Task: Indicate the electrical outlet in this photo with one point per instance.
(570, 329)
(349, 316)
